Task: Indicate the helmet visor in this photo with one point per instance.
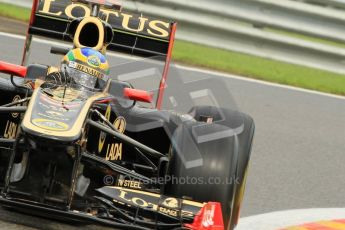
(85, 79)
(81, 78)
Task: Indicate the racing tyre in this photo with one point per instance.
(209, 159)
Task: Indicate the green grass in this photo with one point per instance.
(14, 12)
(307, 38)
(237, 63)
(259, 68)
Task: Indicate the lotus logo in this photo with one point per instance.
(94, 61)
(170, 203)
(120, 124)
(15, 99)
(50, 124)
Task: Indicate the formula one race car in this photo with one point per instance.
(80, 144)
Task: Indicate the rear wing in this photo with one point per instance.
(133, 33)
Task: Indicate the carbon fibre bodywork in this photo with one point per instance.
(100, 156)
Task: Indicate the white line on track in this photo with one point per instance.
(48, 42)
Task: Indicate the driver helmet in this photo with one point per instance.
(86, 67)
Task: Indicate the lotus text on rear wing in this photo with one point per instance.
(155, 28)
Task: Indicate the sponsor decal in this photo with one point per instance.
(102, 135)
(50, 124)
(170, 202)
(86, 69)
(168, 211)
(15, 99)
(129, 183)
(72, 64)
(119, 20)
(114, 150)
(44, 115)
(54, 113)
(208, 216)
(141, 202)
(11, 130)
(120, 124)
(153, 201)
(145, 201)
(94, 61)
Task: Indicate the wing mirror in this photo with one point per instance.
(31, 72)
(13, 69)
(126, 95)
(138, 95)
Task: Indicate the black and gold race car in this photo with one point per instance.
(117, 155)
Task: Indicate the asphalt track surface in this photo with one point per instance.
(298, 153)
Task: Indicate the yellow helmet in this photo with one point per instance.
(86, 67)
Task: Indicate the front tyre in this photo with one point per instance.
(209, 159)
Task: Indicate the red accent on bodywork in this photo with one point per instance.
(166, 67)
(104, 101)
(12, 69)
(209, 218)
(138, 95)
(33, 10)
(32, 20)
